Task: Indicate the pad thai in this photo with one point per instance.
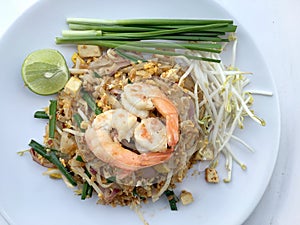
(129, 130)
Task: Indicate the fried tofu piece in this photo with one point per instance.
(73, 86)
(211, 175)
(86, 51)
(186, 197)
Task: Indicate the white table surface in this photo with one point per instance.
(274, 25)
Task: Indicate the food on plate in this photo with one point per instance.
(133, 118)
(186, 197)
(211, 175)
(45, 71)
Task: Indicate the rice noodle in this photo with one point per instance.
(156, 196)
(211, 101)
(74, 132)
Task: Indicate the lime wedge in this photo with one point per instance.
(45, 71)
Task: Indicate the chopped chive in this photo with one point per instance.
(87, 173)
(87, 189)
(52, 118)
(111, 179)
(91, 103)
(41, 115)
(78, 121)
(90, 191)
(172, 198)
(52, 157)
(97, 75)
(98, 111)
(79, 158)
(84, 190)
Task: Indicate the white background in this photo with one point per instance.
(274, 26)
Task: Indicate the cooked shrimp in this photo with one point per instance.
(139, 98)
(119, 119)
(150, 135)
(99, 140)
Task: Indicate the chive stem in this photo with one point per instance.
(79, 158)
(111, 179)
(78, 121)
(73, 39)
(85, 188)
(52, 157)
(172, 198)
(52, 118)
(144, 22)
(91, 103)
(41, 115)
(106, 28)
(90, 191)
(168, 31)
(128, 34)
(206, 47)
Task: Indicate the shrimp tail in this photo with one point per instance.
(172, 129)
(166, 108)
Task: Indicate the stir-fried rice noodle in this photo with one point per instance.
(106, 91)
(203, 101)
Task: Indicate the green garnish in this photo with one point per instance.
(52, 118)
(50, 155)
(149, 35)
(85, 189)
(91, 103)
(172, 198)
(96, 75)
(79, 158)
(41, 115)
(111, 179)
(78, 121)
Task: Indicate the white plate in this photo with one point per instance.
(28, 197)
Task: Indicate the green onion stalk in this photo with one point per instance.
(51, 156)
(87, 189)
(91, 103)
(155, 36)
(41, 115)
(52, 118)
(172, 198)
